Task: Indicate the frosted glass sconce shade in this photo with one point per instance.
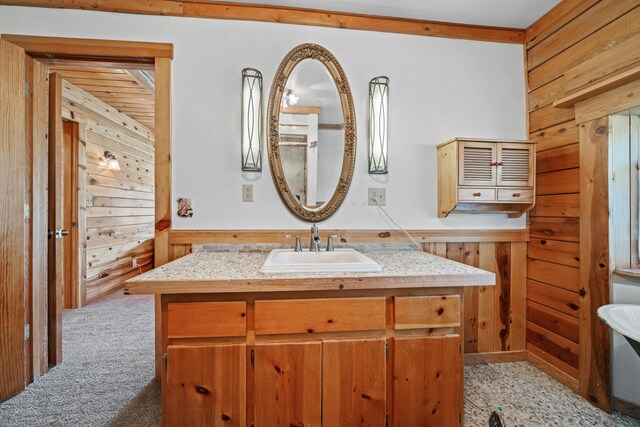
(378, 110)
(112, 162)
(252, 121)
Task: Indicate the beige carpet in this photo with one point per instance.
(107, 380)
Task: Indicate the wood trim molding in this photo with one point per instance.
(71, 47)
(595, 349)
(177, 237)
(162, 161)
(626, 408)
(552, 371)
(287, 15)
(495, 357)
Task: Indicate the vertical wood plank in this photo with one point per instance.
(206, 385)
(423, 395)
(12, 196)
(81, 182)
(471, 256)
(56, 166)
(39, 217)
(487, 299)
(502, 308)
(518, 316)
(287, 379)
(595, 362)
(163, 159)
(354, 382)
(162, 173)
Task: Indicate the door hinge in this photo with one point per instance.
(386, 420)
(252, 424)
(252, 357)
(386, 350)
(27, 211)
(165, 359)
(27, 90)
(27, 331)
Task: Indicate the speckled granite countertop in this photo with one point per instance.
(232, 272)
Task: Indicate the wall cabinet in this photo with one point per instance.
(386, 359)
(486, 176)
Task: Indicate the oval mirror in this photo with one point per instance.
(312, 133)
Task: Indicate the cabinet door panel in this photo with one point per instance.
(206, 385)
(287, 384)
(477, 163)
(427, 381)
(354, 383)
(516, 164)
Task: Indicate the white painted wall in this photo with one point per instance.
(439, 89)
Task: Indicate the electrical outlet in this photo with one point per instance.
(377, 197)
(134, 263)
(247, 192)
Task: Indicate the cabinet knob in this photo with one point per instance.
(496, 164)
(516, 194)
(477, 194)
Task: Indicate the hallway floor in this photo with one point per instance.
(107, 380)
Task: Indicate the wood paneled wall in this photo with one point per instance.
(573, 33)
(494, 315)
(116, 207)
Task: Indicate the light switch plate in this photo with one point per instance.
(247, 192)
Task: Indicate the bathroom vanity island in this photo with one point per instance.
(240, 348)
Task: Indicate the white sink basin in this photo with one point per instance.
(338, 261)
(623, 318)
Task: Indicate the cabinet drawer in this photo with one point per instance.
(306, 316)
(514, 195)
(206, 319)
(427, 312)
(477, 194)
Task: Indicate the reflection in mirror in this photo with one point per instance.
(312, 133)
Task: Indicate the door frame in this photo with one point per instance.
(112, 53)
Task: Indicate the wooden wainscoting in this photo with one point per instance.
(577, 50)
(495, 316)
(116, 221)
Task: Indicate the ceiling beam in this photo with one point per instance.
(287, 15)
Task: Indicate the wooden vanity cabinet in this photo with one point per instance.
(391, 357)
(486, 176)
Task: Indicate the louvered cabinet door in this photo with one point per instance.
(515, 165)
(477, 163)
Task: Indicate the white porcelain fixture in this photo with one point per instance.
(340, 260)
(625, 319)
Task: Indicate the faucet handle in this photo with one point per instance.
(330, 242)
(298, 247)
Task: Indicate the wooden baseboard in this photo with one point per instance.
(552, 371)
(495, 357)
(627, 408)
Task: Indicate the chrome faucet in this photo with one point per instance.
(314, 246)
(298, 246)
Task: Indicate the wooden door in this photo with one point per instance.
(477, 163)
(55, 258)
(287, 384)
(12, 233)
(427, 378)
(206, 385)
(515, 164)
(70, 244)
(354, 382)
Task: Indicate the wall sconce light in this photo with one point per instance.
(112, 162)
(289, 99)
(378, 111)
(252, 120)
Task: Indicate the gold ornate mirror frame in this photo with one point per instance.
(288, 64)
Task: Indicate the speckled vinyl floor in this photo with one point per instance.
(107, 380)
(530, 398)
